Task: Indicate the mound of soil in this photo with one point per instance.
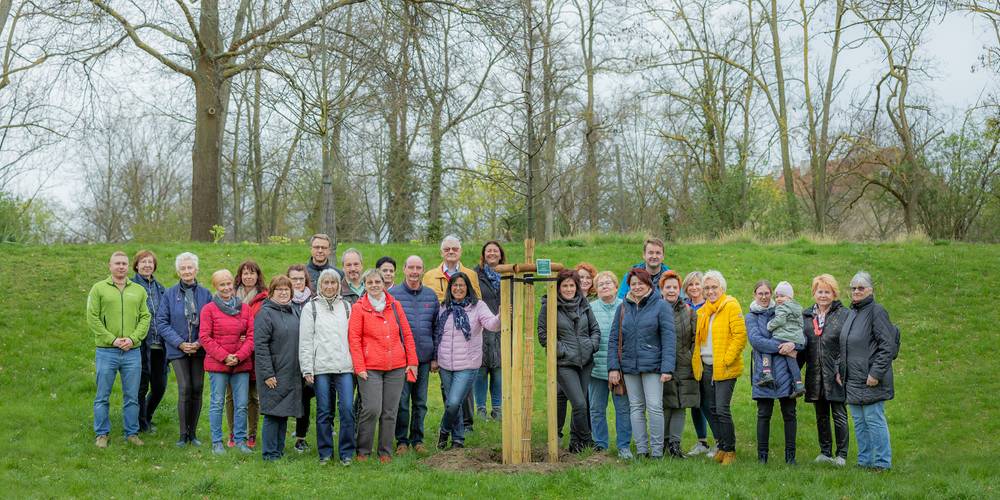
(490, 460)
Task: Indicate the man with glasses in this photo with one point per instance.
(437, 278)
(320, 250)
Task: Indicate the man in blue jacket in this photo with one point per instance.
(652, 261)
(421, 307)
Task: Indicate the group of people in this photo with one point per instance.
(655, 344)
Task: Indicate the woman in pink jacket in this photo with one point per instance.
(226, 334)
(458, 346)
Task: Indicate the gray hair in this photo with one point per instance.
(450, 237)
(371, 272)
(186, 256)
(862, 279)
(350, 251)
(712, 274)
(328, 273)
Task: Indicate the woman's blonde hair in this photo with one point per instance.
(827, 280)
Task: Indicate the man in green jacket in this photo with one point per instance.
(118, 317)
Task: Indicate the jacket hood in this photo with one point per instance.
(756, 308)
(285, 308)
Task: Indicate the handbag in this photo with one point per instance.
(619, 388)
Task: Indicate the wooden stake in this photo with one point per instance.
(550, 372)
(505, 366)
(517, 375)
(530, 329)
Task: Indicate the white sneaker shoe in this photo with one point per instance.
(823, 459)
(839, 461)
(712, 451)
(698, 449)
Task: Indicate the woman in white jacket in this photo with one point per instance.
(325, 358)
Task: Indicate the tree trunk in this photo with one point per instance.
(783, 135)
(208, 128)
(435, 227)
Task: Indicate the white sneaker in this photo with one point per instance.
(698, 449)
(823, 459)
(712, 451)
(839, 461)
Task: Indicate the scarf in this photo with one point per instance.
(377, 305)
(301, 297)
(571, 308)
(230, 307)
(246, 294)
(461, 319)
(708, 309)
(330, 301)
(636, 299)
(190, 308)
(757, 308)
(492, 276)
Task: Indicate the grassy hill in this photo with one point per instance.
(943, 421)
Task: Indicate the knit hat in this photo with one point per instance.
(784, 288)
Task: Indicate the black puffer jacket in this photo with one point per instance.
(682, 391)
(867, 347)
(578, 331)
(822, 353)
(491, 340)
(276, 354)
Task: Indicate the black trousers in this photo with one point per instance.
(152, 384)
(190, 373)
(765, 408)
(720, 396)
(838, 411)
(302, 423)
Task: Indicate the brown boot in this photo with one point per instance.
(719, 455)
(402, 449)
(135, 441)
(101, 442)
(420, 448)
(729, 458)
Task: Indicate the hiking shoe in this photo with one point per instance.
(182, 442)
(496, 414)
(823, 459)
(728, 458)
(420, 448)
(324, 460)
(361, 458)
(346, 462)
(713, 451)
(481, 412)
(134, 440)
(402, 449)
(699, 449)
(232, 441)
(218, 448)
(457, 445)
(301, 445)
(839, 461)
(194, 441)
(243, 448)
(442, 440)
(101, 442)
(252, 442)
(765, 379)
(384, 459)
(625, 454)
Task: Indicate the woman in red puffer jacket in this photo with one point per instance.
(252, 291)
(226, 333)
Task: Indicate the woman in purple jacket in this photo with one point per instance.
(458, 338)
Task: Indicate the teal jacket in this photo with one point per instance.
(114, 313)
(605, 314)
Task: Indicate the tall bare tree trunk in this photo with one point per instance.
(783, 136)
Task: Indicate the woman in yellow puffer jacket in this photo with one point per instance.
(718, 359)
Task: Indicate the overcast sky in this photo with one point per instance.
(953, 47)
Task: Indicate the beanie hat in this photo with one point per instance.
(784, 288)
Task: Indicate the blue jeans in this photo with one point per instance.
(872, 433)
(218, 382)
(273, 437)
(598, 395)
(331, 388)
(699, 420)
(488, 378)
(410, 426)
(109, 361)
(456, 386)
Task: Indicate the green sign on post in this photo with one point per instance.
(543, 267)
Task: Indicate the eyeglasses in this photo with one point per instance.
(605, 284)
(320, 247)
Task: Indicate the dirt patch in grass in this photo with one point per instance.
(490, 460)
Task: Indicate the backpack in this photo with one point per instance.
(347, 310)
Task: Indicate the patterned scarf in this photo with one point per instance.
(492, 276)
(461, 319)
(229, 307)
(301, 297)
(190, 308)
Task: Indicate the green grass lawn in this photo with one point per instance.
(943, 422)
